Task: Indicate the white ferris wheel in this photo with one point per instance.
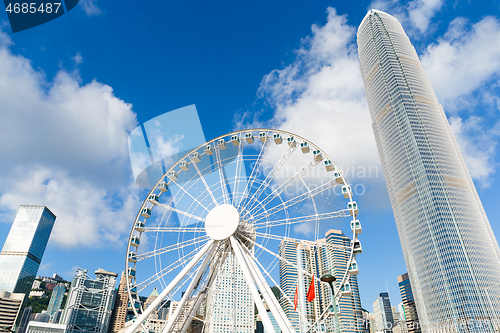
(231, 202)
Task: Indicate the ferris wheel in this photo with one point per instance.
(215, 231)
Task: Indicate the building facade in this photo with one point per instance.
(10, 306)
(56, 300)
(39, 327)
(230, 305)
(23, 250)
(382, 309)
(449, 248)
(122, 312)
(409, 309)
(328, 255)
(90, 302)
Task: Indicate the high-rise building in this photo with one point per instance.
(409, 310)
(23, 250)
(331, 255)
(229, 303)
(449, 248)
(90, 302)
(25, 319)
(122, 312)
(384, 320)
(56, 299)
(10, 306)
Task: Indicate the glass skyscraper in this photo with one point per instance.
(384, 320)
(450, 251)
(409, 309)
(56, 300)
(23, 250)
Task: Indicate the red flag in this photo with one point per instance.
(310, 292)
(296, 297)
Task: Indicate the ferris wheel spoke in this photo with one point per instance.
(179, 262)
(277, 167)
(180, 211)
(204, 181)
(194, 282)
(301, 197)
(302, 219)
(169, 288)
(172, 229)
(237, 173)
(222, 176)
(287, 183)
(173, 247)
(255, 170)
(189, 194)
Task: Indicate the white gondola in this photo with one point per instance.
(163, 187)
(346, 191)
(135, 241)
(173, 175)
(263, 137)
(317, 155)
(132, 257)
(356, 227)
(304, 146)
(277, 138)
(345, 289)
(329, 165)
(235, 140)
(208, 150)
(353, 268)
(249, 137)
(154, 198)
(291, 142)
(221, 144)
(353, 208)
(131, 271)
(338, 177)
(195, 157)
(139, 226)
(184, 165)
(357, 247)
(146, 212)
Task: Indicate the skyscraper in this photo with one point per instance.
(409, 309)
(56, 300)
(384, 320)
(324, 255)
(121, 312)
(449, 248)
(23, 250)
(10, 306)
(90, 302)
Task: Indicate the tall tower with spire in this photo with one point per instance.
(450, 251)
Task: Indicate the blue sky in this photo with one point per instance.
(73, 89)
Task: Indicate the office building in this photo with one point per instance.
(382, 309)
(42, 317)
(10, 306)
(25, 318)
(90, 302)
(56, 299)
(449, 248)
(122, 312)
(23, 250)
(331, 255)
(39, 327)
(230, 304)
(409, 314)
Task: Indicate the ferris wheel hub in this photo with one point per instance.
(222, 221)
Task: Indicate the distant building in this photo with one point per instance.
(57, 316)
(37, 293)
(10, 306)
(409, 309)
(90, 302)
(122, 311)
(36, 284)
(331, 255)
(50, 286)
(23, 250)
(57, 277)
(56, 299)
(25, 319)
(39, 327)
(382, 309)
(42, 317)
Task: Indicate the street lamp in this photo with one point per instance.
(329, 278)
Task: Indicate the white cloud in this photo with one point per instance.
(320, 96)
(77, 59)
(65, 146)
(90, 7)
